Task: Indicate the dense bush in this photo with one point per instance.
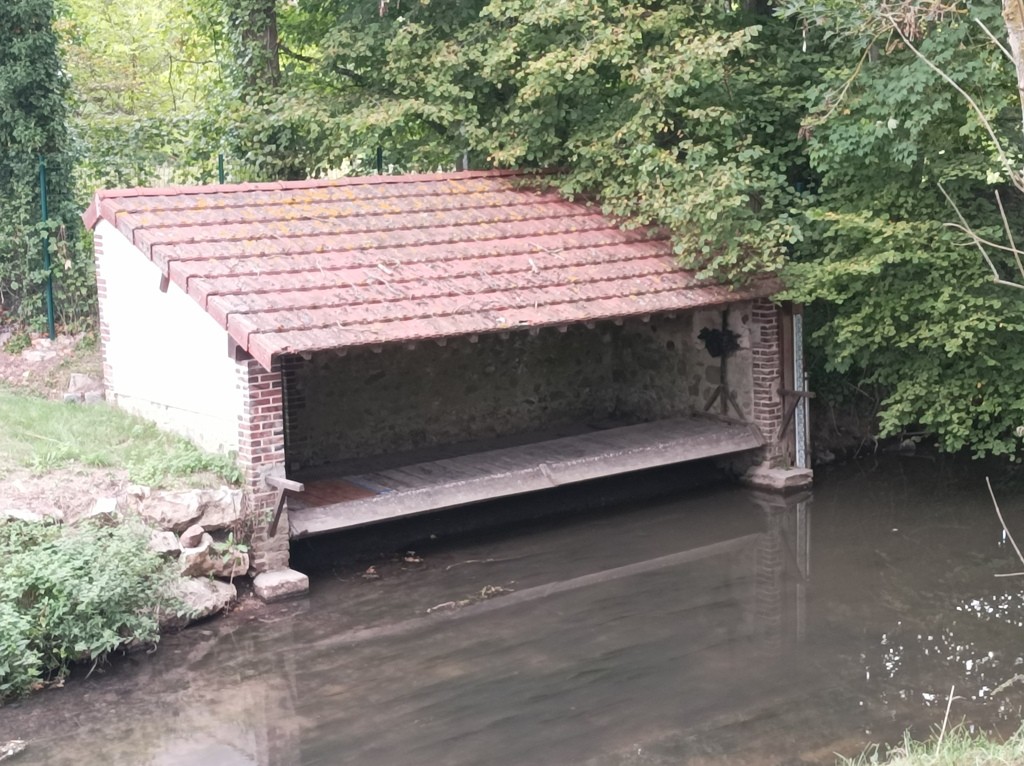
(72, 594)
(33, 126)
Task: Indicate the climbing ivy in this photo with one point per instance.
(33, 109)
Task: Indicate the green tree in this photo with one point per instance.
(131, 91)
(902, 301)
(33, 125)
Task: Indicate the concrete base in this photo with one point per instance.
(778, 479)
(280, 584)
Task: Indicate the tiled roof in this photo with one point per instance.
(304, 266)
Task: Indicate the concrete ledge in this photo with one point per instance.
(465, 479)
(280, 584)
(778, 479)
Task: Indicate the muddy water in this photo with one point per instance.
(714, 627)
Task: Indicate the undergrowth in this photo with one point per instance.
(73, 594)
(957, 747)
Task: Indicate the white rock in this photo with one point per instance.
(222, 508)
(280, 584)
(177, 511)
(206, 559)
(104, 510)
(80, 384)
(11, 748)
(193, 536)
(200, 597)
(165, 544)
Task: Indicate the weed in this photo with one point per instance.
(18, 343)
(955, 747)
(70, 594)
(44, 435)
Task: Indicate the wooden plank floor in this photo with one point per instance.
(354, 500)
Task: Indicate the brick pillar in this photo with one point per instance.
(104, 328)
(767, 369)
(260, 446)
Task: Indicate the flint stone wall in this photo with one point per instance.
(365, 403)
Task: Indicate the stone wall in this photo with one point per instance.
(704, 372)
(402, 398)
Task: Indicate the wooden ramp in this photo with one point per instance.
(354, 500)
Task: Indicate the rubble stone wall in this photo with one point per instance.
(401, 398)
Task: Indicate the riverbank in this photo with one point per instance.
(680, 630)
(111, 531)
(957, 747)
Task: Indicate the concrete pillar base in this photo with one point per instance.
(280, 584)
(778, 479)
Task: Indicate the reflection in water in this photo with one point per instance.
(678, 632)
(567, 663)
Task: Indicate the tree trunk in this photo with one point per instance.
(253, 30)
(1013, 15)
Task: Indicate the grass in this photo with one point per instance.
(958, 747)
(41, 435)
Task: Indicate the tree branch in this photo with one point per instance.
(297, 56)
(351, 74)
(1014, 175)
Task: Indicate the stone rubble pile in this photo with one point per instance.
(192, 527)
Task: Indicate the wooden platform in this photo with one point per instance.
(331, 504)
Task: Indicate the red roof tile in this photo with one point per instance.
(311, 265)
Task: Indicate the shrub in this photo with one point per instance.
(72, 594)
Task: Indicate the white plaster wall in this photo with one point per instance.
(168, 360)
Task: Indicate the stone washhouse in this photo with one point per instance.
(378, 347)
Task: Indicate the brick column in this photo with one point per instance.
(766, 345)
(260, 446)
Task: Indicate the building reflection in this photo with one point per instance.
(684, 626)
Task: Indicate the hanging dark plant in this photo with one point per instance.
(719, 342)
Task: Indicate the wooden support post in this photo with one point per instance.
(275, 478)
(792, 399)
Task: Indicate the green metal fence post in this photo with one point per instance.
(46, 250)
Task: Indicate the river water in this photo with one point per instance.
(715, 626)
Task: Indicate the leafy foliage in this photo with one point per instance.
(684, 115)
(129, 91)
(910, 309)
(73, 594)
(33, 108)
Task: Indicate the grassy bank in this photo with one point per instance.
(42, 435)
(72, 593)
(958, 747)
